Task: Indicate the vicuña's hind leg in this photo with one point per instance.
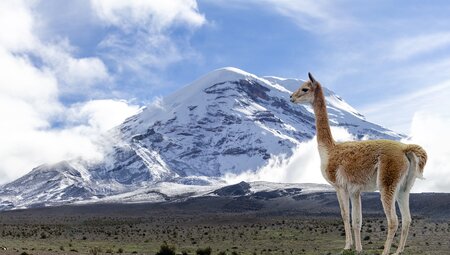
(388, 201)
(357, 219)
(403, 204)
(343, 198)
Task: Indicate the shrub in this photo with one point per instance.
(95, 250)
(166, 250)
(348, 252)
(204, 251)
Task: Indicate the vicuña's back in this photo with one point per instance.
(357, 166)
(357, 163)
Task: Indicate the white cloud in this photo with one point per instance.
(317, 16)
(28, 105)
(27, 140)
(100, 115)
(152, 15)
(28, 102)
(141, 52)
(75, 74)
(397, 112)
(15, 25)
(22, 82)
(27, 148)
(430, 130)
(57, 55)
(142, 41)
(302, 167)
(409, 47)
(34, 75)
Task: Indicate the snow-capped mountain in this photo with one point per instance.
(228, 121)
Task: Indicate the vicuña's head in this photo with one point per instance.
(305, 94)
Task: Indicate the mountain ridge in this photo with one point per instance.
(227, 121)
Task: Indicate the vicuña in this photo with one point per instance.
(357, 166)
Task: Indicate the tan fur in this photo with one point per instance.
(357, 166)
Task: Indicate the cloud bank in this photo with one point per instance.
(302, 167)
(428, 130)
(37, 127)
(52, 93)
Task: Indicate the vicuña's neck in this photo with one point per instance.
(324, 137)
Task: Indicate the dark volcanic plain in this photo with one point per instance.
(264, 223)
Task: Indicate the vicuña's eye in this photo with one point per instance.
(305, 90)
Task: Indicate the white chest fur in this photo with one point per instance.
(323, 153)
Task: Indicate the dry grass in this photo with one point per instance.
(225, 233)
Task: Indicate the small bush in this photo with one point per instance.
(95, 250)
(166, 250)
(348, 252)
(204, 251)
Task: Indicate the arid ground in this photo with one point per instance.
(226, 225)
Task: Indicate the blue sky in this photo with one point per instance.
(76, 68)
(366, 52)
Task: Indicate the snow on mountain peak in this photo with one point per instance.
(333, 100)
(224, 74)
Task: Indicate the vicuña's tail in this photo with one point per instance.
(417, 157)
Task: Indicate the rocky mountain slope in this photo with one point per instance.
(228, 121)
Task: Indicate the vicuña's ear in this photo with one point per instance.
(311, 78)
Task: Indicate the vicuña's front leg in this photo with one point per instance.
(357, 219)
(343, 198)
